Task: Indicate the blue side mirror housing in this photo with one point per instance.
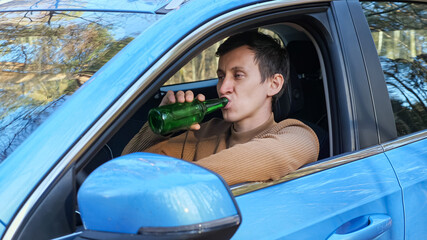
(156, 196)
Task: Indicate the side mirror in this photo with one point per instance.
(151, 196)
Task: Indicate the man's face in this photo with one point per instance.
(239, 80)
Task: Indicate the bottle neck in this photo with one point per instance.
(214, 104)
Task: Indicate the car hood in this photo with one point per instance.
(86, 5)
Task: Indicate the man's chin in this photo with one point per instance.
(225, 116)
(228, 118)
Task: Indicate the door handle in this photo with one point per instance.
(365, 227)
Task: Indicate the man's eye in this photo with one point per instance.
(220, 78)
(238, 75)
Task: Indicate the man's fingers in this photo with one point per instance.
(189, 96)
(180, 96)
(169, 98)
(201, 97)
(195, 127)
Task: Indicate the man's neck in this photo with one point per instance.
(251, 123)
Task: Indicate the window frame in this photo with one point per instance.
(313, 20)
(322, 35)
(381, 100)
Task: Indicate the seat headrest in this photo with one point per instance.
(303, 61)
(303, 57)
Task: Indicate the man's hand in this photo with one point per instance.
(181, 97)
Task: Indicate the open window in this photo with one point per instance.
(304, 99)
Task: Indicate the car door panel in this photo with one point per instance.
(410, 164)
(318, 204)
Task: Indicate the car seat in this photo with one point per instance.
(304, 98)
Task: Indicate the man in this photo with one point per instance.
(247, 145)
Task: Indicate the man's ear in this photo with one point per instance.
(275, 84)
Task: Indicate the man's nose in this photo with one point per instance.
(226, 86)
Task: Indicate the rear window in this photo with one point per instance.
(399, 31)
(45, 56)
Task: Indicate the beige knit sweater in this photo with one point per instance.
(266, 153)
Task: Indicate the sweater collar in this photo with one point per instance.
(243, 137)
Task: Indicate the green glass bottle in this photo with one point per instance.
(168, 118)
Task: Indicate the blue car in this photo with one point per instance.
(79, 77)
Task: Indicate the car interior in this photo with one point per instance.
(304, 99)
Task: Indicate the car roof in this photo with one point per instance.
(147, 6)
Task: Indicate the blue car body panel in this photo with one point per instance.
(34, 158)
(410, 164)
(315, 204)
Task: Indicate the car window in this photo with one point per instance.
(45, 56)
(399, 31)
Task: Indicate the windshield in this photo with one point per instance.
(45, 56)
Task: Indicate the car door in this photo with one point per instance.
(352, 195)
(358, 200)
